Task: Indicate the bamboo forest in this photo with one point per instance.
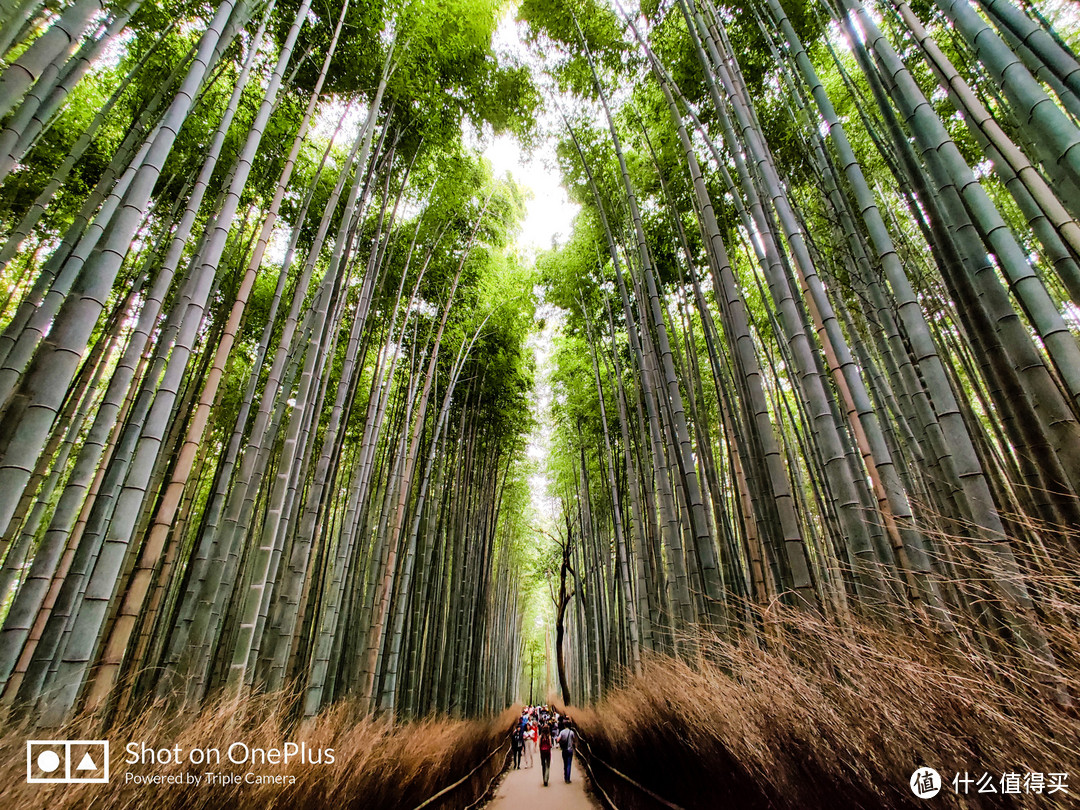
(699, 376)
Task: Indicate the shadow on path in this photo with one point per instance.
(524, 789)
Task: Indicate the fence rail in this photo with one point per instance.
(587, 757)
(462, 780)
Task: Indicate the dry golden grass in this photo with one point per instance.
(809, 714)
(831, 717)
(378, 764)
(836, 715)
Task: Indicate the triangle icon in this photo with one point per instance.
(86, 764)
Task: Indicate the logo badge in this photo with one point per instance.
(67, 761)
(926, 783)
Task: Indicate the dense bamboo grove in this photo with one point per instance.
(265, 389)
(820, 342)
(264, 376)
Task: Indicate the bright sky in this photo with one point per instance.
(549, 218)
(550, 213)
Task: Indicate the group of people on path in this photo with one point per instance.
(539, 729)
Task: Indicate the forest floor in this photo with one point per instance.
(523, 788)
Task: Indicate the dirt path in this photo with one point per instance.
(524, 789)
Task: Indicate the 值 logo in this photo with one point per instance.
(926, 783)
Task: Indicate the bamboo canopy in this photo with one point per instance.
(268, 343)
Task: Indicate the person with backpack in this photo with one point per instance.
(567, 739)
(545, 751)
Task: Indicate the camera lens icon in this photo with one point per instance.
(48, 761)
(67, 761)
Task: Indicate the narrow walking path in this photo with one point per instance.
(524, 789)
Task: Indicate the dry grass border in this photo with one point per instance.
(829, 717)
(379, 765)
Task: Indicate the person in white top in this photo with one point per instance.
(530, 743)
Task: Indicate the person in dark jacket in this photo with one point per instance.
(517, 744)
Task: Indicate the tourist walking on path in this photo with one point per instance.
(530, 743)
(567, 738)
(517, 743)
(521, 790)
(545, 751)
